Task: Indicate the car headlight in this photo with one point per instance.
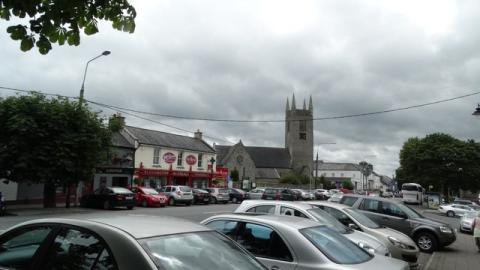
(445, 229)
(366, 247)
(397, 243)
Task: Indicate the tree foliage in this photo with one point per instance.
(347, 184)
(294, 179)
(51, 141)
(442, 161)
(60, 21)
(234, 175)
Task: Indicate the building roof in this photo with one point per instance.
(267, 173)
(333, 166)
(263, 157)
(119, 141)
(154, 137)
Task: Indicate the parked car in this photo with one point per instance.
(387, 194)
(200, 196)
(149, 197)
(336, 197)
(467, 222)
(255, 194)
(283, 194)
(178, 194)
(109, 198)
(464, 202)
(236, 195)
(218, 195)
(282, 242)
(120, 242)
(304, 194)
(322, 194)
(303, 210)
(428, 234)
(452, 210)
(3, 205)
(400, 245)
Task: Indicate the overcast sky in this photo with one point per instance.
(242, 59)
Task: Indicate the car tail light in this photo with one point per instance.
(120, 197)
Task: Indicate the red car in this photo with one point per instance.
(149, 197)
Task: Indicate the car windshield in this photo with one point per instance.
(185, 189)
(326, 219)
(409, 211)
(150, 191)
(200, 251)
(471, 214)
(362, 218)
(120, 190)
(335, 246)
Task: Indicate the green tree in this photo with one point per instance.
(234, 175)
(52, 141)
(440, 160)
(60, 21)
(293, 178)
(347, 184)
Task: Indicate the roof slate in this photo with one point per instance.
(119, 141)
(267, 173)
(332, 166)
(264, 157)
(153, 137)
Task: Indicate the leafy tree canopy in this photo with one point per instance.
(51, 141)
(442, 161)
(60, 21)
(294, 179)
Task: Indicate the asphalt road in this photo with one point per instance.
(460, 255)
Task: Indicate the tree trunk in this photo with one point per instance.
(49, 195)
(67, 196)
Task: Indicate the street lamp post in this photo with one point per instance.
(82, 90)
(212, 161)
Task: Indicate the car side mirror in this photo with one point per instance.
(353, 226)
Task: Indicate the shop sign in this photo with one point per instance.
(191, 160)
(169, 158)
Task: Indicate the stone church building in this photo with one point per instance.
(266, 165)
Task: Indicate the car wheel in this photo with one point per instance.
(130, 207)
(426, 242)
(213, 200)
(144, 203)
(106, 205)
(234, 200)
(450, 213)
(189, 203)
(171, 202)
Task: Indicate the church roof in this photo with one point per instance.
(267, 173)
(334, 166)
(153, 137)
(264, 157)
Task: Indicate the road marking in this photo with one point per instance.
(217, 212)
(429, 261)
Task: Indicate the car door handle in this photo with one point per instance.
(274, 268)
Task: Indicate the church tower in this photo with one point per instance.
(299, 136)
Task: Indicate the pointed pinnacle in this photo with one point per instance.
(294, 106)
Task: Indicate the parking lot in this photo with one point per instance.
(462, 254)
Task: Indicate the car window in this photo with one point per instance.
(74, 249)
(370, 205)
(268, 209)
(264, 242)
(168, 189)
(350, 201)
(226, 227)
(287, 211)
(17, 251)
(392, 209)
(185, 189)
(339, 215)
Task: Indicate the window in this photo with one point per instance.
(267, 209)
(302, 136)
(74, 249)
(200, 159)
(264, 242)
(303, 125)
(333, 174)
(392, 210)
(18, 250)
(287, 211)
(288, 126)
(180, 159)
(156, 156)
(370, 205)
(339, 215)
(350, 201)
(226, 227)
(341, 174)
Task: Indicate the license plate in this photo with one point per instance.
(129, 197)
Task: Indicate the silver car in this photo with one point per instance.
(304, 210)
(467, 222)
(400, 245)
(178, 194)
(255, 194)
(452, 210)
(120, 243)
(219, 195)
(292, 243)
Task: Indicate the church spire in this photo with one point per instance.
(310, 104)
(288, 106)
(294, 107)
(304, 105)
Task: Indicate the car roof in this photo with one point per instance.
(271, 220)
(253, 203)
(149, 226)
(331, 204)
(372, 198)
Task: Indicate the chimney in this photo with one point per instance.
(116, 122)
(197, 135)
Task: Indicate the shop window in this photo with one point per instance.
(156, 156)
(200, 159)
(180, 159)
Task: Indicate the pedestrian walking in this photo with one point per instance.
(476, 231)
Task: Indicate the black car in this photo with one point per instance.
(109, 198)
(3, 205)
(236, 195)
(283, 194)
(200, 196)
